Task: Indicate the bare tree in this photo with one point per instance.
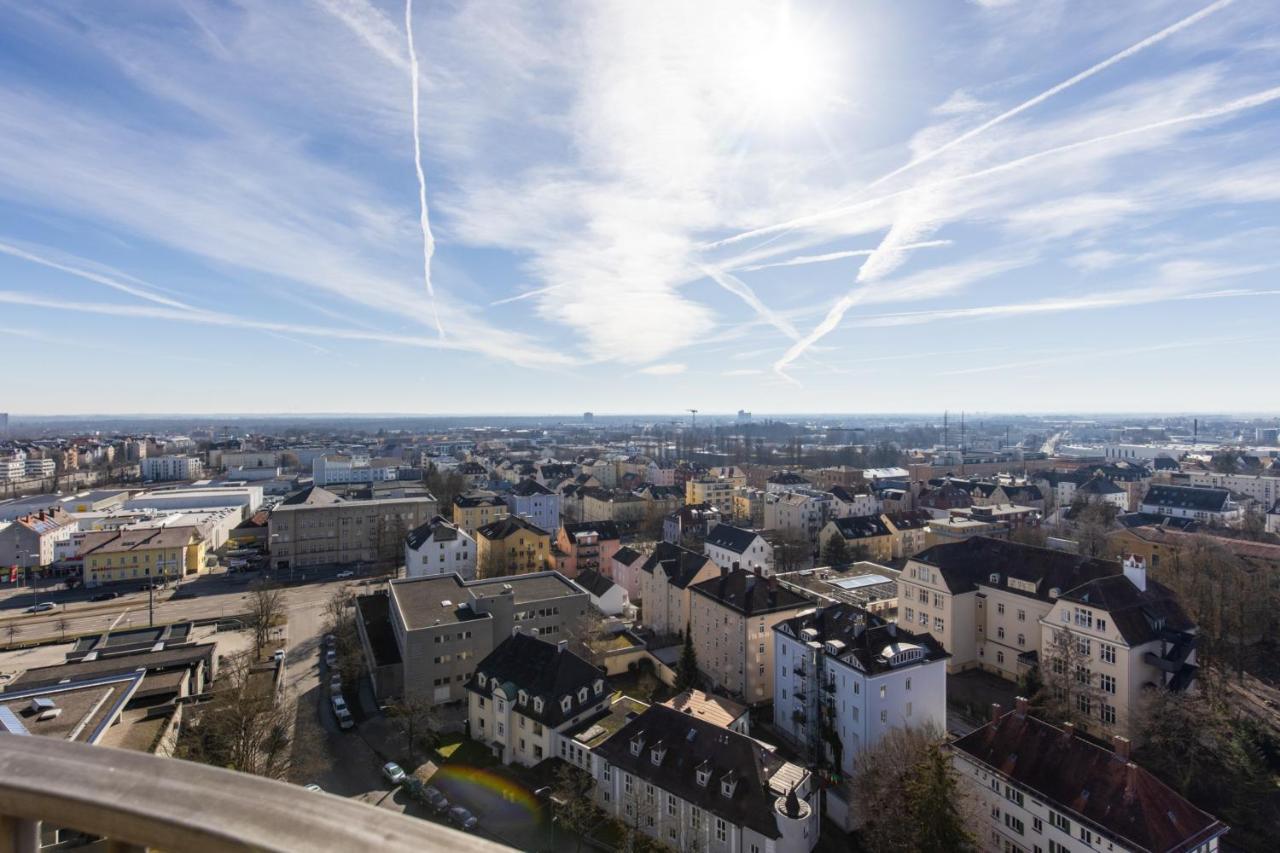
(266, 608)
(572, 804)
(587, 636)
(1068, 692)
(879, 785)
(418, 722)
(12, 632)
(245, 727)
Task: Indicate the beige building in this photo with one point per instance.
(511, 546)
(708, 490)
(316, 527)
(983, 598)
(475, 509)
(732, 617)
(664, 581)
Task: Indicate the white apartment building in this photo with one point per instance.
(535, 503)
(13, 467)
(844, 677)
(171, 468)
(336, 469)
(738, 548)
(1265, 490)
(439, 547)
(1201, 503)
(693, 785)
(40, 468)
(1038, 787)
(800, 512)
(847, 502)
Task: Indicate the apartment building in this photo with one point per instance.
(665, 578)
(39, 467)
(692, 785)
(708, 490)
(983, 598)
(587, 546)
(1263, 489)
(473, 510)
(171, 468)
(13, 468)
(739, 548)
(1121, 636)
(910, 531)
(748, 506)
(1202, 503)
(535, 503)
(157, 554)
(623, 508)
(443, 626)
(853, 500)
(527, 693)
(786, 481)
(337, 469)
(624, 569)
(1040, 787)
(802, 513)
(316, 527)
(843, 677)
(1101, 490)
(511, 546)
(865, 536)
(33, 539)
(731, 618)
(439, 547)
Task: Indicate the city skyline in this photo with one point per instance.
(800, 207)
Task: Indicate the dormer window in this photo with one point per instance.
(582, 695)
(995, 577)
(658, 753)
(727, 785)
(637, 744)
(565, 703)
(480, 679)
(522, 698)
(599, 687)
(704, 774)
(537, 704)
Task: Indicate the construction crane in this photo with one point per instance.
(693, 418)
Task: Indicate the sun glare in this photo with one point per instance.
(784, 71)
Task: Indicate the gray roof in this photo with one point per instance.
(438, 529)
(735, 539)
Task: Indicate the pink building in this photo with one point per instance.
(586, 545)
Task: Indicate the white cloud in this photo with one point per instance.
(665, 369)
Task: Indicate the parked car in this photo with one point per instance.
(330, 641)
(42, 607)
(393, 772)
(463, 819)
(435, 799)
(146, 587)
(331, 657)
(344, 717)
(279, 655)
(105, 596)
(339, 704)
(345, 574)
(335, 687)
(312, 786)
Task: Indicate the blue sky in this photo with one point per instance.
(829, 206)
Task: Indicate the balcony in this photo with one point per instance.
(138, 801)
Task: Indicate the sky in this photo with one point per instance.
(1015, 205)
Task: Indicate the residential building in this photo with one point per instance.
(32, 539)
(535, 503)
(316, 527)
(625, 570)
(786, 481)
(1043, 787)
(910, 531)
(708, 490)
(1102, 490)
(1203, 503)
(844, 677)
(800, 513)
(1262, 488)
(607, 597)
(1273, 518)
(587, 545)
(717, 710)
(731, 616)
(665, 578)
(693, 785)
(739, 548)
(865, 537)
(527, 692)
(337, 469)
(424, 637)
(39, 468)
(848, 501)
(866, 585)
(439, 547)
(691, 522)
(13, 468)
(511, 546)
(474, 509)
(1122, 635)
(171, 468)
(748, 506)
(623, 508)
(984, 598)
(160, 554)
(1010, 516)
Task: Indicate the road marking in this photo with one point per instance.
(117, 622)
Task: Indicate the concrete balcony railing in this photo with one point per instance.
(138, 801)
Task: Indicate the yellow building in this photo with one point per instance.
(512, 546)
(866, 537)
(474, 510)
(718, 493)
(157, 553)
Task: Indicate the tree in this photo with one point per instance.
(12, 632)
(836, 551)
(933, 797)
(882, 790)
(687, 677)
(418, 722)
(791, 551)
(1254, 523)
(571, 805)
(1067, 693)
(587, 636)
(1225, 462)
(1029, 535)
(1093, 524)
(245, 727)
(266, 608)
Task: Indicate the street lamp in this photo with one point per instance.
(31, 577)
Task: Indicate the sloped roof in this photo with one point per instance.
(508, 525)
(626, 555)
(1199, 498)
(735, 539)
(749, 593)
(529, 488)
(1139, 615)
(541, 669)
(865, 635)
(438, 529)
(604, 529)
(861, 526)
(1080, 778)
(477, 498)
(679, 564)
(1099, 486)
(909, 520)
(963, 565)
(594, 582)
(311, 496)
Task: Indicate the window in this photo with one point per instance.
(1022, 615)
(1037, 825)
(908, 683)
(883, 690)
(1107, 652)
(671, 805)
(1000, 608)
(884, 716)
(626, 783)
(1012, 794)
(999, 656)
(1084, 646)
(1060, 822)
(1107, 713)
(1013, 823)
(1107, 683)
(1000, 632)
(1102, 625)
(937, 623)
(722, 830)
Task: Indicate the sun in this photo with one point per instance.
(783, 70)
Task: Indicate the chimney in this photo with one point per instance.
(995, 712)
(1135, 569)
(724, 573)
(562, 646)
(1020, 705)
(1121, 746)
(515, 630)
(1068, 731)
(772, 580)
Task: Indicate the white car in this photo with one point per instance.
(344, 575)
(339, 705)
(279, 655)
(394, 772)
(344, 718)
(312, 786)
(42, 607)
(331, 657)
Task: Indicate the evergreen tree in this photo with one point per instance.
(933, 803)
(687, 670)
(836, 552)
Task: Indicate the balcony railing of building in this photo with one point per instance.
(137, 801)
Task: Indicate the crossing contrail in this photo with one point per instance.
(1137, 47)
(428, 241)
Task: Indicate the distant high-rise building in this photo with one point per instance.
(588, 417)
(744, 417)
(4, 424)
(1265, 435)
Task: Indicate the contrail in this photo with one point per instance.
(837, 256)
(527, 294)
(1170, 30)
(89, 275)
(428, 241)
(740, 289)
